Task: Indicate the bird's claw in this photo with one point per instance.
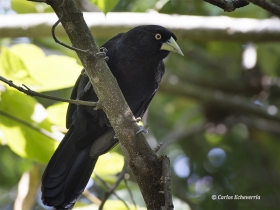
(103, 49)
(84, 73)
(142, 130)
(102, 53)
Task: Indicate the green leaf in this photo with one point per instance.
(27, 52)
(87, 207)
(27, 64)
(54, 72)
(12, 167)
(12, 67)
(19, 116)
(105, 5)
(57, 113)
(109, 164)
(22, 7)
(116, 205)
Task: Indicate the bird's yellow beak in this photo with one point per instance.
(172, 46)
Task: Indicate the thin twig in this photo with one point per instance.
(23, 122)
(30, 92)
(60, 42)
(112, 188)
(130, 193)
(91, 197)
(108, 187)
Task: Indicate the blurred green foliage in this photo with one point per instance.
(105, 5)
(214, 149)
(25, 7)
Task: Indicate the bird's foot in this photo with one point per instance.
(102, 53)
(103, 49)
(84, 73)
(142, 130)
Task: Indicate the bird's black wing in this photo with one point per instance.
(72, 107)
(143, 104)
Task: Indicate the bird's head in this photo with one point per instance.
(153, 40)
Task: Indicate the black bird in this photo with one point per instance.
(136, 60)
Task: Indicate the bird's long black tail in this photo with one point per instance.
(67, 173)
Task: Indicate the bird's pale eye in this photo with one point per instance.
(158, 36)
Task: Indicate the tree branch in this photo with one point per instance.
(229, 5)
(90, 196)
(259, 123)
(229, 101)
(185, 27)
